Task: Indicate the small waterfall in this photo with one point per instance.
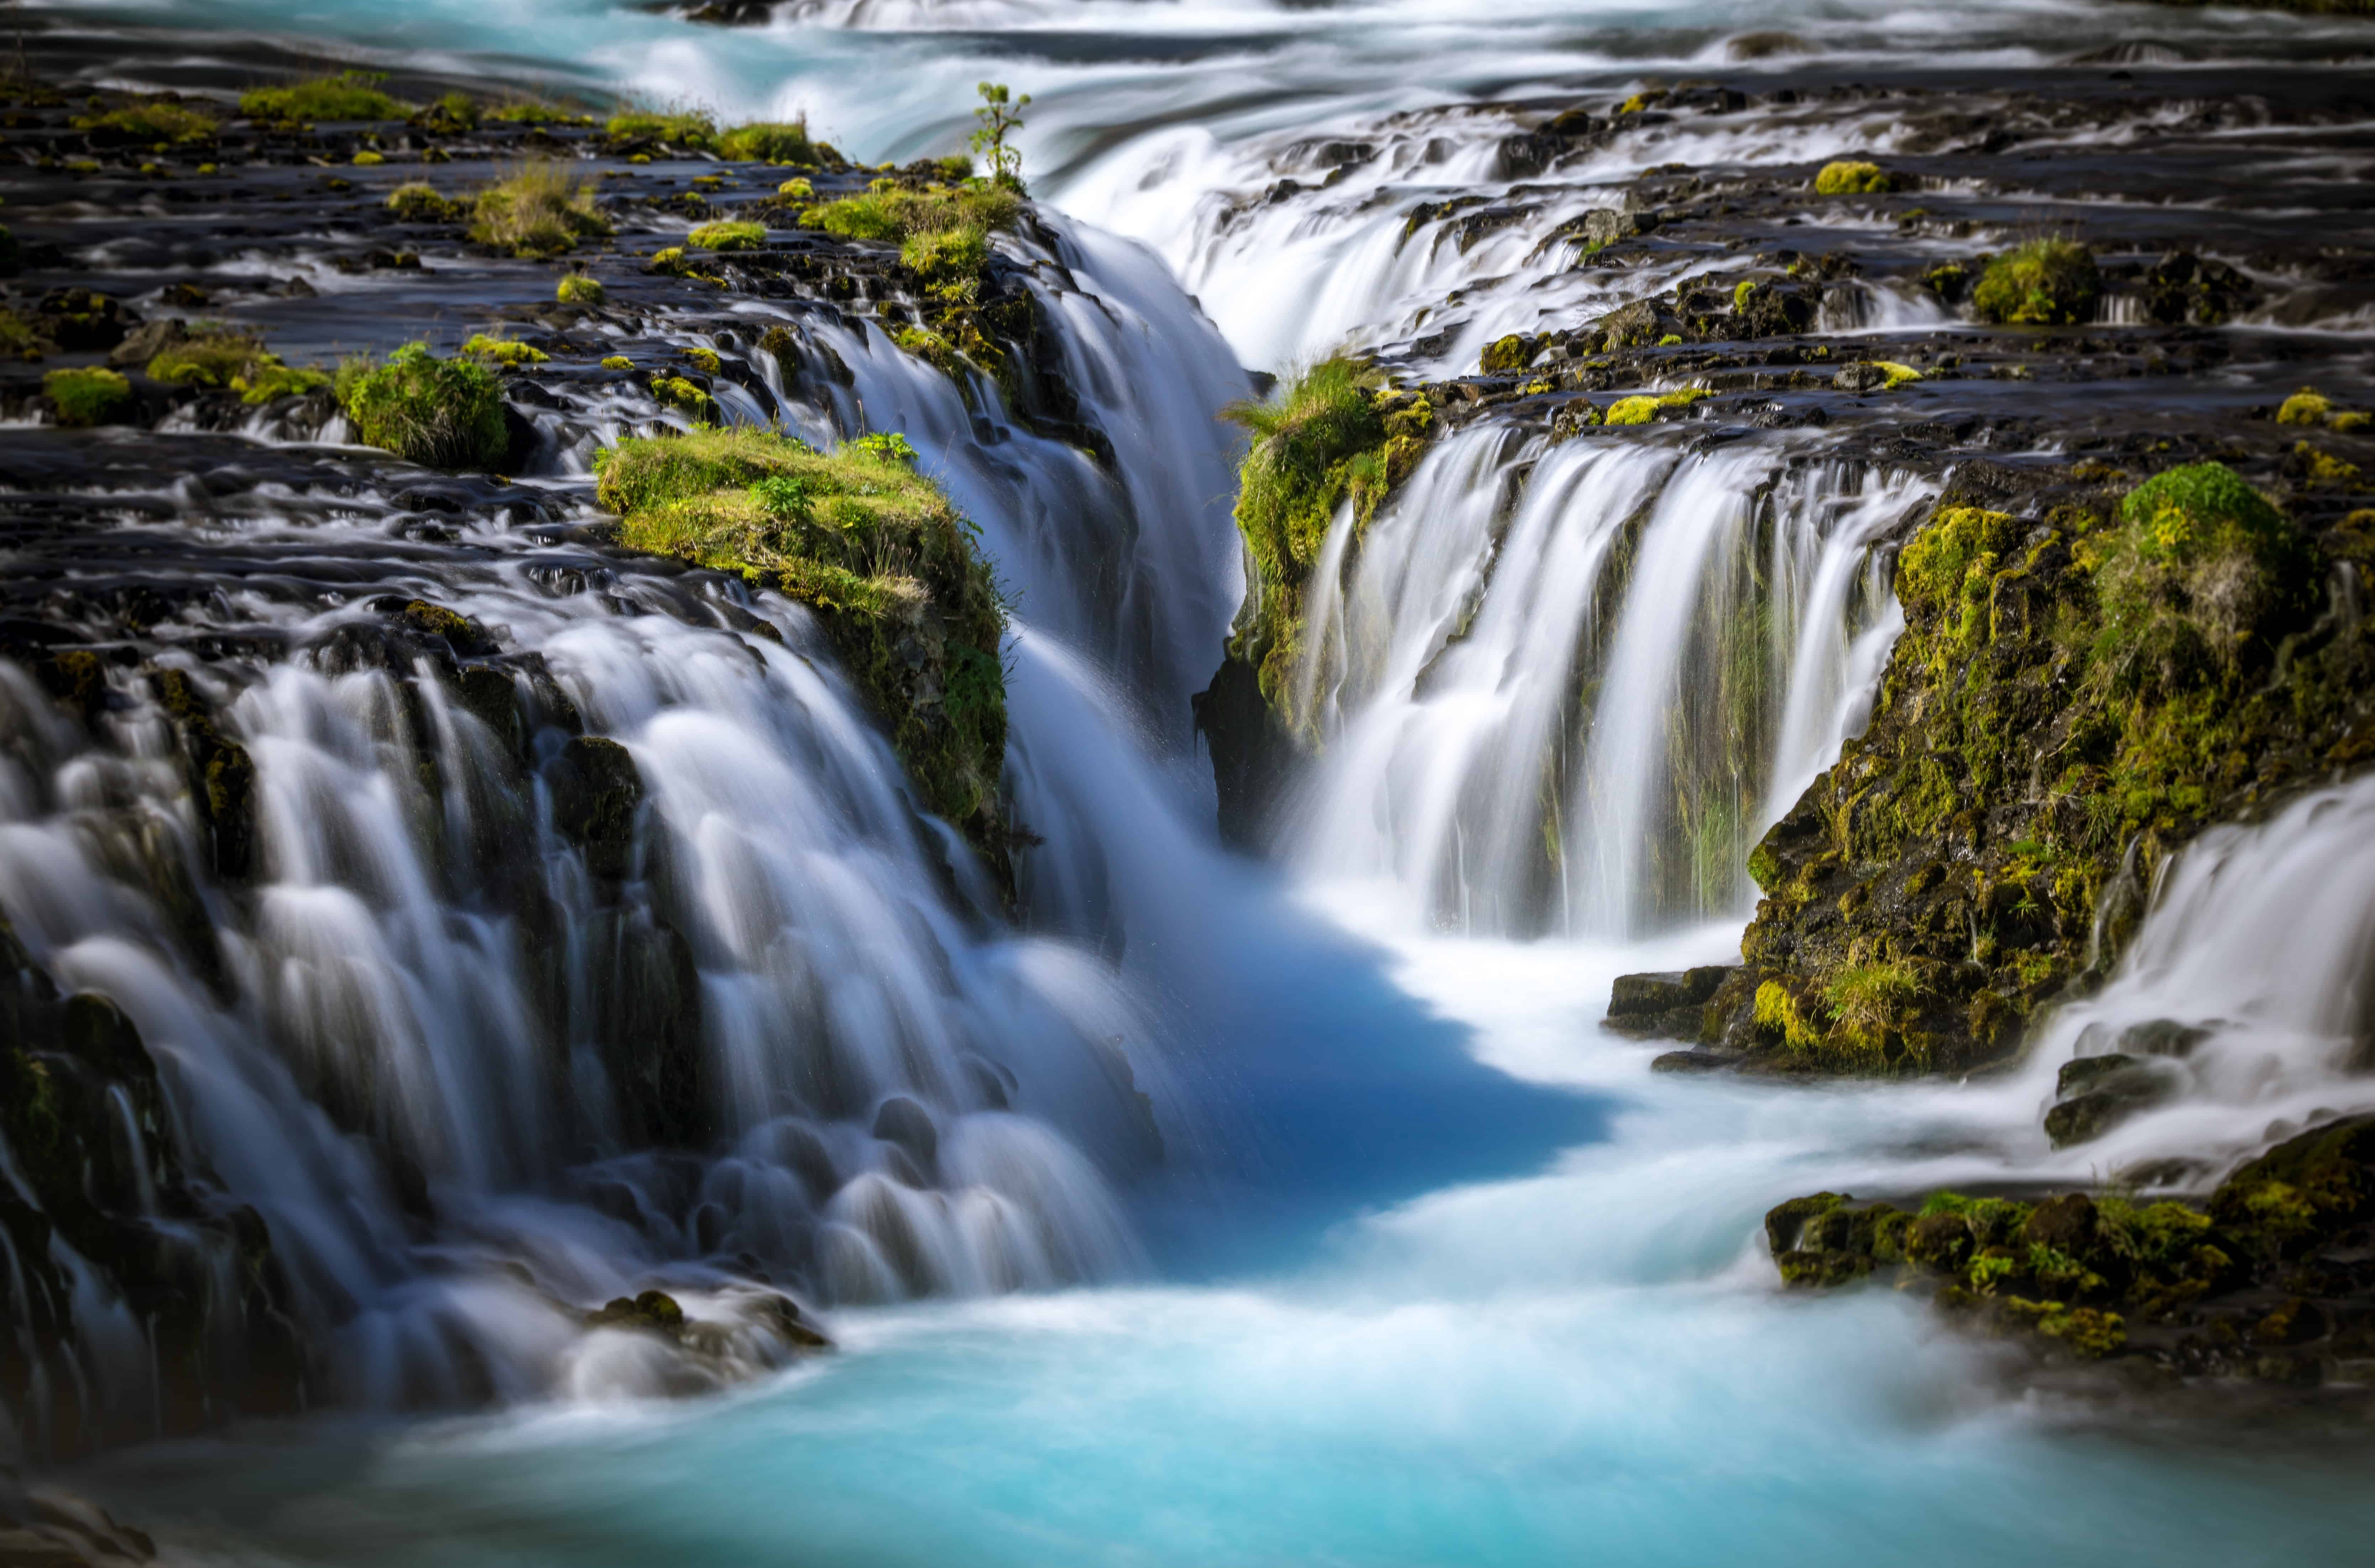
(1564, 685)
(2243, 1002)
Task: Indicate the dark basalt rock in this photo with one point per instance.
(81, 320)
(1252, 754)
(2266, 1282)
(1664, 1006)
(595, 794)
(223, 775)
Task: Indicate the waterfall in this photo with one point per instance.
(591, 934)
(1567, 684)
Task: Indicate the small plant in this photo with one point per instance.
(730, 234)
(2307, 406)
(769, 141)
(367, 159)
(798, 188)
(791, 497)
(349, 95)
(538, 209)
(886, 446)
(1851, 177)
(87, 397)
(2043, 283)
(444, 413)
(20, 339)
(215, 354)
(578, 289)
(677, 391)
(703, 359)
(1000, 115)
(617, 363)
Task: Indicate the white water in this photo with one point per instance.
(1457, 1280)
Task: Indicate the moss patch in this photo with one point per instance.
(349, 95)
(891, 569)
(2070, 700)
(2042, 283)
(540, 209)
(214, 354)
(1846, 177)
(92, 396)
(1332, 434)
(769, 141)
(443, 413)
(1643, 408)
(728, 236)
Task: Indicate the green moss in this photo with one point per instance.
(214, 354)
(1330, 434)
(578, 289)
(1740, 293)
(150, 122)
(540, 209)
(367, 159)
(769, 141)
(2307, 406)
(416, 201)
(617, 363)
(1848, 178)
(1505, 356)
(349, 95)
(796, 188)
(2044, 283)
(946, 255)
(444, 413)
(508, 352)
(897, 214)
(677, 128)
(728, 235)
(1898, 374)
(93, 396)
(20, 339)
(706, 360)
(890, 566)
(676, 392)
(1642, 409)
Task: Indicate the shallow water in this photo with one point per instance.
(1453, 1279)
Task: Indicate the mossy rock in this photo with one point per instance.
(441, 413)
(877, 553)
(1850, 177)
(2042, 283)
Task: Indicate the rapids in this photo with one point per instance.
(1246, 1213)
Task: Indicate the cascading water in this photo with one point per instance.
(1519, 1312)
(1568, 685)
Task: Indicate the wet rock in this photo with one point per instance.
(1253, 755)
(653, 1311)
(902, 1122)
(2095, 1093)
(81, 320)
(1689, 1062)
(1664, 1006)
(222, 774)
(595, 794)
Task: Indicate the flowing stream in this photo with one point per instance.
(1217, 1211)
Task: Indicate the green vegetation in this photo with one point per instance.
(149, 123)
(617, 363)
(1847, 178)
(92, 396)
(349, 95)
(2064, 688)
(2307, 406)
(508, 352)
(416, 201)
(1641, 409)
(442, 413)
(21, 340)
(942, 233)
(888, 565)
(216, 354)
(689, 127)
(897, 215)
(2080, 1270)
(1000, 115)
(1506, 356)
(2042, 283)
(769, 141)
(728, 235)
(578, 289)
(798, 188)
(538, 209)
(1331, 435)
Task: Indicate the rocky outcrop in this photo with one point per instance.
(2267, 1281)
(2083, 685)
(105, 1230)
